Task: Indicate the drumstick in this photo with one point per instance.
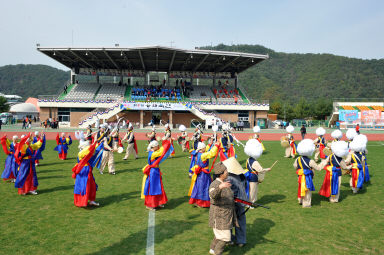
(273, 164)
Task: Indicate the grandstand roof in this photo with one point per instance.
(154, 58)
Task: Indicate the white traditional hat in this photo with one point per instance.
(166, 126)
(130, 126)
(182, 128)
(359, 143)
(201, 146)
(306, 147)
(83, 144)
(36, 132)
(290, 129)
(256, 129)
(340, 148)
(253, 148)
(15, 137)
(351, 133)
(320, 131)
(215, 128)
(233, 166)
(337, 134)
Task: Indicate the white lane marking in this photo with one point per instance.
(151, 233)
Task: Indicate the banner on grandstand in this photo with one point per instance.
(370, 117)
(154, 106)
(348, 115)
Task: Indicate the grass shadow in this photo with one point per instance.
(259, 228)
(136, 242)
(49, 170)
(267, 199)
(175, 202)
(52, 163)
(128, 170)
(52, 177)
(105, 201)
(316, 198)
(58, 188)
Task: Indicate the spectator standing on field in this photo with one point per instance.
(303, 132)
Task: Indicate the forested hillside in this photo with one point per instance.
(31, 80)
(293, 76)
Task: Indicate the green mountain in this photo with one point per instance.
(289, 77)
(31, 80)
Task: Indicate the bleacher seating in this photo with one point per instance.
(144, 93)
(110, 92)
(202, 93)
(227, 94)
(84, 91)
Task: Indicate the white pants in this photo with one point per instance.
(108, 158)
(253, 189)
(306, 200)
(130, 150)
(289, 152)
(223, 235)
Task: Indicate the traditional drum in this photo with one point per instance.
(284, 142)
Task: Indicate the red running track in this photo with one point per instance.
(240, 136)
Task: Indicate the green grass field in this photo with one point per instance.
(49, 223)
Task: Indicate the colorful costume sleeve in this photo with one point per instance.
(4, 144)
(84, 156)
(36, 145)
(69, 140)
(57, 139)
(209, 154)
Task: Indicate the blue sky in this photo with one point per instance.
(349, 28)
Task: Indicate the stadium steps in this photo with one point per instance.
(127, 95)
(69, 88)
(245, 99)
(97, 92)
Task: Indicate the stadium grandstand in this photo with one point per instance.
(149, 84)
(368, 114)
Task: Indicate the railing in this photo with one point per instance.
(57, 95)
(47, 97)
(358, 99)
(85, 116)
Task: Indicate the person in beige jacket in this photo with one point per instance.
(130, 138)
(222, 215)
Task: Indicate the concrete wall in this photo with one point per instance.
(261, 114)
(47, 112)
(183, 118)
(76, 117)
(232, 117)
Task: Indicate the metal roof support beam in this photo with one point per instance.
(109, 57)
(126, 59)
(85, 62)
(186, 61)
(63, 56)
(157, 59)
(142, 60)
(173, 59)
(96, 59)
(201, 62)
(228, 64)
